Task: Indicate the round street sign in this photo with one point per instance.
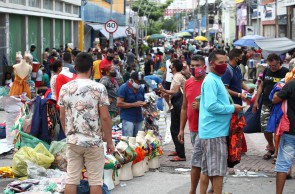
(111, 26)
(129, 31)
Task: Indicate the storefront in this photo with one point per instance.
(268, 18)
(290, 4)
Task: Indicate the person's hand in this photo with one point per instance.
(110, 147)
(238, 108)
(255, 107)
(160, 86)
(180, 137)
(140, 103)
(243, 96)
(251, 90)
(196, 105)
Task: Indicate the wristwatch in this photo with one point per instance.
(239, 95)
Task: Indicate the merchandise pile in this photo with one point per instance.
(39, 163)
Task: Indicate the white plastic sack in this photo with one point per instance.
(12, 106)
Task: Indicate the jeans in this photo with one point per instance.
(130, 129)
(286, 154)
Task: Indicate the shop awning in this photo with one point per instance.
(96, 27)
(275, 45)
(120, 33)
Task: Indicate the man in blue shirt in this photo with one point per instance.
(214, 121)
(130, 99)
(233, 78)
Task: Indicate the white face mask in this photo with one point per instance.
(135, 85)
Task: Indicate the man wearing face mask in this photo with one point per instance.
(214, 121)
(118, 68)
(190, 112)
(233, 78)
(176, 93)
(108, 60)
(108, 80)
(130, 99)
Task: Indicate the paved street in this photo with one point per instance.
(168, 181)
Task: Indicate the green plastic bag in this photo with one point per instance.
(39, 155)
(24, 139)
(58, 149)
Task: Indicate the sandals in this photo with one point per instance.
(173, 154)
(268, 154)
(177, 159)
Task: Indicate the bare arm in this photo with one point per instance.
(276, 99)
(122, 104)
(245, 87)
(174, 90)
(259, 92)
(183, 114)
(62, 117)
(106, 124)
(232, 93)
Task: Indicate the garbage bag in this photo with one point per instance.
(58, 149)
(24, 139)
(253, 119)
(35, 171)
(39, 155)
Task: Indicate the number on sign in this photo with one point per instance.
(111, 25)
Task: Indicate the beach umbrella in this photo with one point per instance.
(157, 36)
(201, 38)
(248, 41)
(184, 34)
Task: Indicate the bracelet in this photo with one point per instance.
(239, 95)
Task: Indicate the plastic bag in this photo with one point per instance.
(34, 171)
(58, 149)
(24, 139)
(39, 155)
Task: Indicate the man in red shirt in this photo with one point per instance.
(108, 60)
(190, 112)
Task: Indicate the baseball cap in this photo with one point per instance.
(137, 76)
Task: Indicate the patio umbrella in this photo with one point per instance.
(156, 36)
(201, 38)
(184, 34)
(248, 41)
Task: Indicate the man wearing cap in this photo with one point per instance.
(130, 99)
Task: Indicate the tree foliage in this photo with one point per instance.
(153, 10)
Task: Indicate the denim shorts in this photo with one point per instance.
(286, 153)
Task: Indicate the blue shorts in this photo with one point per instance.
(286, 153)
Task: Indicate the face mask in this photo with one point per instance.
(239, 62)
(113, 74)
(199, 71)
(220, 69)
(135, 85)
(109, 58)
(115, 61)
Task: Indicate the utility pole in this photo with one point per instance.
(199, 18)
(207, 19)
(111, 39)
(137, 30)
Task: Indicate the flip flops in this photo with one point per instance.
(177, 159)
(172, 154)
(268, 154)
